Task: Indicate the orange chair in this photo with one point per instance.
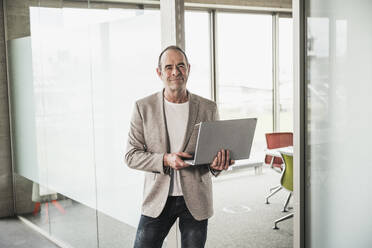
(274, 141)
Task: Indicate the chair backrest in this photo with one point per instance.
(277, 140)
(287, 176)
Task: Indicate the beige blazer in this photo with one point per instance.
(148, 142)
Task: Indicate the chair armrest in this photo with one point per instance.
(272, 152)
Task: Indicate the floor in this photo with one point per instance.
(241, 219)
(15, 233)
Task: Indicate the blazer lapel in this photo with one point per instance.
(162, 122)
(193, 114)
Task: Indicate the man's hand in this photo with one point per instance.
(175, 161)
(222, 160)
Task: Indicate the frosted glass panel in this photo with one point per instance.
(61, 62)
(26, 161)
(339, 116)
(88, 74)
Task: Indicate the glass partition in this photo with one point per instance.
(123, 71)
(74, 80)
(76, 69)
(338, 117)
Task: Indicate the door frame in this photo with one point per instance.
(299, 127)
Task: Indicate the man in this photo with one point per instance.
(162, 134)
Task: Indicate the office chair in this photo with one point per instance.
(286, 182)
(274, 141)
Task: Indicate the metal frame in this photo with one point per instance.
(299, 123)
(275, 70)
(5, 24)
(227, 7)
(238, 8)
(213, 53)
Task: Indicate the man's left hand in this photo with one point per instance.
(222, 160)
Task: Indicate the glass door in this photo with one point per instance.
(338, 117)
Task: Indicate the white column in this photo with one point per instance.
(172, 33)
(172, 23)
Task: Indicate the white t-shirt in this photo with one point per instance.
(177, 115)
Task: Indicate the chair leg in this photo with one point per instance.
(271, 189)
(272, 193)
(286, 202)
(275, 227)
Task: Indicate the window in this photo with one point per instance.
(285, 75)
(244, 79)
(197, 48)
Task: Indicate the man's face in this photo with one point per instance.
(174, 70)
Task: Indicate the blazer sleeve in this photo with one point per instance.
(136, 156)
(216, 116)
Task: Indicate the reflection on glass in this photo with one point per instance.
(318, 36)
(317, 102)
(286, 74)
(30, 203)
(341, 38)
(244, 87)
(198, 51)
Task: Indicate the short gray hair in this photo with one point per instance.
(177, 48)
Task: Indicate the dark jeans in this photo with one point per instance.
(151, 232)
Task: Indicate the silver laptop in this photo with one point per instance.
(233, 135)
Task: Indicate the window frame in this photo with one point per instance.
(275, 56)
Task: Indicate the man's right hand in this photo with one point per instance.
(174, 160)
